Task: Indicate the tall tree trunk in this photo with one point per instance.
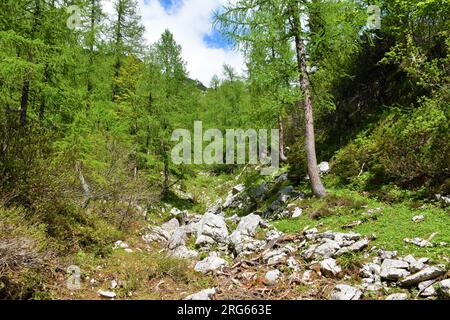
(42, 105)
(316, 184)
(119, 39)
(26, 83)
(24, 102)
(283, 157)
(166, 178)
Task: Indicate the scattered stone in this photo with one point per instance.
(345, 292)
(203, 295)
(414, 265)
(157, 234)
(387, 254)
(445, 199)
(419, 242)
(324, 168)
(293, 264)
(182, 252)
(327, 249)
(260, 192)
(171, 225)
(394, 269)
(426, 289)
(352, 224)
(235, 219)
(309, 276)
(238, 189)
(329, 267)
(272, 277)
(297, 212)
(273, 234)
(106, 294)
(418, 218)
(214, 227)
(120, 245)
(443, 289)
(275, 257)
(370, 270)
(113, 284)
(191, 228)
(248, 225)
(355, 247)
(428, 273)
(210, 264)
(372, 211)
(177, 239)
(397, 296)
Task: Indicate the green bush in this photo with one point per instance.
(407, 149)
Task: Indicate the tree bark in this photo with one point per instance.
(316, 184)
(283, 157)
(166, 178)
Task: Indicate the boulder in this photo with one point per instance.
(297, 212)
(106, 294)
(171, 225)
(327, 249)
(248, 225)
(419, 242)
(355, 247)
(214, 227)
(443, 289)
(182, 252)
(386, 254)
(238, 189)
(324, 167)
(414, 265)
(272, 277)
(178, 238)
(394, 269)
(397, 296)
(206, 294)
(241, 243)
(120, 245)
(260, 192)
(428, 273)
(418, 218)
(370, 270)
(275, 257)
(330, 268)
(156, 234)
(345, 292)
(309, 276)
(293, 264)
(210, 264)
(426, 289)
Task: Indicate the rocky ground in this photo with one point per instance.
(249, 258)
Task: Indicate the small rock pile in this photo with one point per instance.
(318, 250)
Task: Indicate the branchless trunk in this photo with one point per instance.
(90, 85)
(283, 157)
(316, 184)
(165, 188)
(26, 83)
(119, 39)
(84, 185)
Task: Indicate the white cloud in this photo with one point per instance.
(189, 23)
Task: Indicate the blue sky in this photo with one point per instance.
(190, 21)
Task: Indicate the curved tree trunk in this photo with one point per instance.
(283, 157)
(316, 184)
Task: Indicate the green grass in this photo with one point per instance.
(391, 225)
